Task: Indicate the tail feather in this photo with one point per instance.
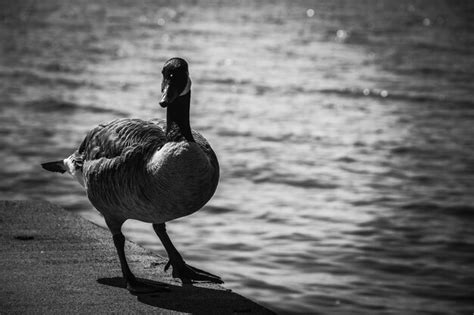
(56, 166)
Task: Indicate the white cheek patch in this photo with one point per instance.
(187, 88)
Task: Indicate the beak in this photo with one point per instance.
(170, 93)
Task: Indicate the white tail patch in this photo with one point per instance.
(76, 173)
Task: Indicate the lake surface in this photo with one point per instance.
(344, 130)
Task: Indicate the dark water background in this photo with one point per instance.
(345, 132)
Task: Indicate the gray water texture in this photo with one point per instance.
(344, 130)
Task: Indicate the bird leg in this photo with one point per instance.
(181, 270)
(133, 284)
(119, 242)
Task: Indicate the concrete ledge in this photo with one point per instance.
(53, 261)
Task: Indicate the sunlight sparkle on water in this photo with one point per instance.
(161, 21)
(341, 35)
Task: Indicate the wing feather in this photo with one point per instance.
(117, 137)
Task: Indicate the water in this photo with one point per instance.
(345, 133)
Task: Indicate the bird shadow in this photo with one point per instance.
(189, 298)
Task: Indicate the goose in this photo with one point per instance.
(153, 171)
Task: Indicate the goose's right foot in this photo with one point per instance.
(134, 286)
(137, 287)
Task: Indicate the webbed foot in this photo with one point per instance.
(188, 273)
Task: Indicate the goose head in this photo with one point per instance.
(176, 81)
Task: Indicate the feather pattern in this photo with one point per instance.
(131, 171)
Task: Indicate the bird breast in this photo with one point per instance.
(181, 178)
(183, 159)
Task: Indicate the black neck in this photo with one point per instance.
(177, 120)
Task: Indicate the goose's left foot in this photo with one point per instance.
(189, 273)
(182, 270)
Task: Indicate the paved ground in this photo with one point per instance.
(52, 261)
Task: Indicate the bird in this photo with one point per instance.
(152, 170)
